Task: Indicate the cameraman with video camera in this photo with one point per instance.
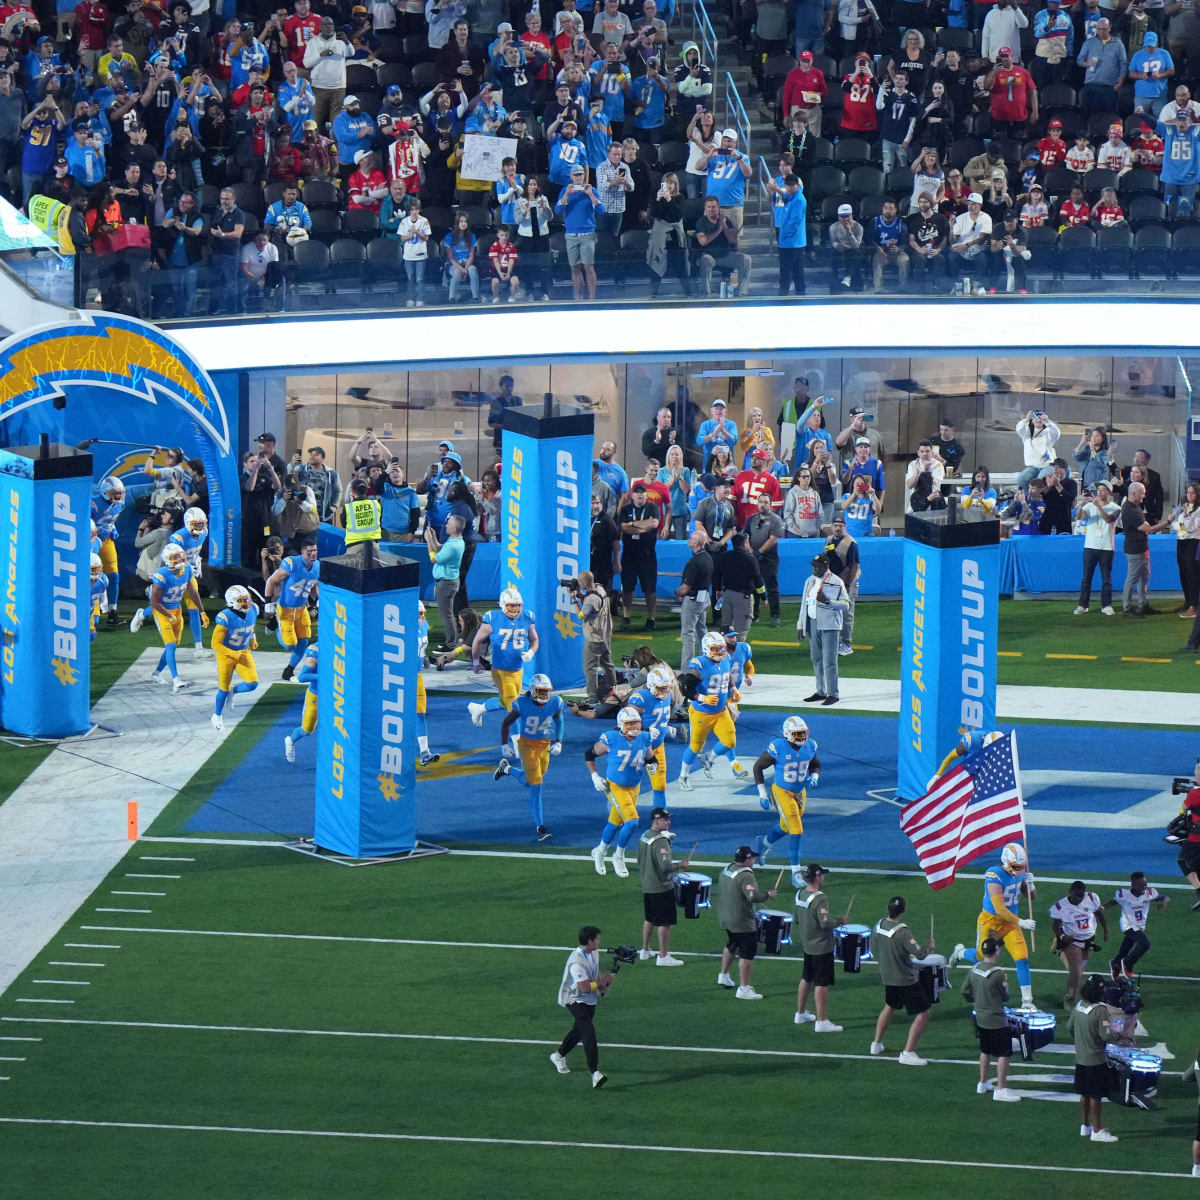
(591, 603)
(295, 513)
(1189, 851)
(580, 991)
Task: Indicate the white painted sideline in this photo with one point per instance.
(640, 1148)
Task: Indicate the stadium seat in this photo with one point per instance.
(1185, 250)
(776, 69)
(208, 196)
(866, 181)
(827, 65)
(249, 198)
(1097, 178)
(416, 48)
(361, 78)
(899, 182)
(825, 181)
(1057, 95)
(272, 192)
(1145, 210)
(1114, 246)
(320, 193)
(1043, 245)
(830, 204)
(370, 102)
(1076, 249)
(396, 74)
(250, 226)
(822, 151)
(312, 262)
(1152, 252)
(385, 262)
(852, 152)
(1098, 123)
(955, 39)
(439, 220)
(1059, 182)
(673, 156)
(962, 150)
(1138, 182)
(870, 207)
(346, 260)
(326, 225)
(361, 224)
(392, 47)
(425, 75)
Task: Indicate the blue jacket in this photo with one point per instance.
(793, 226)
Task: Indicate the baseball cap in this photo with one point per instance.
(402, 126)
(349, 100)
(730, 631)
(578, 170)
(742, 853)
(61, 162)
(639, 486)
(1010, 214)
(844, 210)
(1004, 50)
(656, 813)
(1055, 124)
(716, 402)
(857, 410)
(358, 8)
(732, 134)
(973, 198)
(266, 437)
(504, 27)
(1103, 483)
(395, 90)
(806, 56)
(453, 456)
(1150, 38)
(862, 56)
(708, 481)
(862, 441)
(80, 126)
(309, 125)
(813, 870)
(758, 452)
(359, 155)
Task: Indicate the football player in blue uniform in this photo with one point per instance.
(631, 756)
(427, 759)
(233, 641)
(192, 537)
(654, 702)
(295, 582)
(306, 672)
(538, 715)
(797, 768)
(1003, 884)
(708, 710)
(968, 744)
(168, 586)
(740, 658)
(514, 643)
(107, 506)
(99, 590)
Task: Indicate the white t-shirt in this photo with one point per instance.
(414, 247)
(580, 966)
(1097, 532)
(915, 467)
(1078, 920)
(967, 226)
(1134, 909)
(256, 261)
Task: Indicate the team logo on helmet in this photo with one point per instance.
(795, 729)
(629, 722)
(713, 646)
(97, 567)
(112, 488)
(195, 521)
(660, 682)
(174, 557)
(541, 689)
(511, 603)
(1013, 858)
(238, 598)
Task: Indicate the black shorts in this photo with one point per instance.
(1198, 1124)
(996, 1042)
(659, 907)
(1093, 1082)
(639, 568)
(911, 997)
(1189, 857)
(818, 969)
(743, 945)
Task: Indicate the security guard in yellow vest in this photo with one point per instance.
(363, 516)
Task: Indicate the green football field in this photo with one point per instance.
(273, 1026)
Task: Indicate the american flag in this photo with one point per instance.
(973, 808)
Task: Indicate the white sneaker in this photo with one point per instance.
(845, 281)
(877, 1048)
(1102, 1135)
(827, 1027)
(137, 620)
(1107, 610)
(803, 1018)
(747, 993)
(1027, 1006)
(909, 1059)
(844, 650)
(685, 784)
(620, 870)
(560, 1063)
(724, 980)
(159, 676)
(598, 858)
(1085, 1131)
(1196, 1171)
(1079, 611)
(956, 954)
(476, 711)
(669, 961)
(645, 954)
(599, 1079)
(178, 684)
(289, 749)
(1006, 1095)
(200, 652)
(217, 721)
(982, 1089)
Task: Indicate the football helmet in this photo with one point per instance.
(511, 603)
(97, 567)
(421, 609)
(629, 722)
(238, 598)
(659, 681)
(713, 646)
(174, 557)
(795, 729)
(95, 531)
(1014, 859)
(111, 488)
(195, 521)
(541, 689)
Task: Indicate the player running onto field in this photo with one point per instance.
(538, 715)
(233, 640)
(797, 768)
(653, 702)
(107, 506)
(514, 643)
(306, 672)
(191, 539)
(708, 710)
(99, 591)
(295, 582)
(1134, 903)
(168, 586)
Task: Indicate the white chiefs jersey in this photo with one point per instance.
(1078, 920)
(1134, 909)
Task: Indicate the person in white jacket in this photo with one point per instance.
(1002, 27)
(325, 59)
(1038, 435)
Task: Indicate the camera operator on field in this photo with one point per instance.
(580, 991)
(591, 603)
(1189, 851)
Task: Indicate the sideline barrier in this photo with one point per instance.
(1033, 565)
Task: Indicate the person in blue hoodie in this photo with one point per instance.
(793, 236)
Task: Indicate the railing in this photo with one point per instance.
(704, 37)
(764, 197)
(735, 115)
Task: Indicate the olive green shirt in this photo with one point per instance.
(893, 947)
(655, 868)
(986, 986)
(814, 922)
(737, 894)
(1092, 1026)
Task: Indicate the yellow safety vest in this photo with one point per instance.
(363, 522)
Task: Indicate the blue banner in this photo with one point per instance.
(545, 537)
(45, 643)
(948, 664)
(366, 728)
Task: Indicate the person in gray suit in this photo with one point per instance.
(821, 609)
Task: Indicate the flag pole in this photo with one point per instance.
(1024, 833)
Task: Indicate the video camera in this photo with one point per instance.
(622, 956)
(571, 584)
(1177, 830)
(1122, 994)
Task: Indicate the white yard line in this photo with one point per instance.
(63, 830)
(162, 858)
(145, 875)
(124, 910)
(640, 1148)
(35, 1000)
(122, 893)
(92, 945)
(55, 962)
(64, 982)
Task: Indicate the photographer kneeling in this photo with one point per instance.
(580, 991)
(591, 602)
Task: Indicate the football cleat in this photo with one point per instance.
(135, 622)
(476, 711)
(217, 721)
(289, 749)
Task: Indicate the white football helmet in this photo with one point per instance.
(660, 682)
(195, 521)
(1014, 859)
(421, 609)
(629, 722)
(95, 531)
(795, 729)
(713, 646)
(97, 567)
(541, 689)
(511, 603)
(111, 488)
(238, 598)
(174, 557)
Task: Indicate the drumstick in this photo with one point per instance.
(779, 880)
(849, 906)
(693, 851)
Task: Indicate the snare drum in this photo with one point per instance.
(691, 893)
(774, 929)
(852, 944)
(1032, 1030)
(1134, 1075)
(932, 976)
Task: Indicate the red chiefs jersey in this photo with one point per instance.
(405, 162)
(1109, 214)
(503, 255)
(1051, 152)
(1071, 213)
(858, 105)
(1151, 144)
(748, 486)
(1010, 94)
(298, 30)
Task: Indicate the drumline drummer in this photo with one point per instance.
(657, 871)
(816, 928)
(986, 986)
(894, 948)
(737, 894)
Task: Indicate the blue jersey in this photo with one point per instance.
(627, 759)
(539, 722)
(287, 216)
(599, 138)
(191, 545)
(239, 628)
(105, 514)
(301, 579)
(309, 674)
(860, 517)
(510, 638)
(563, 156)
(714, 682)
(173, 586)
(1009, 884)
(726, 181)
(656, 713)
(651, 110)
(1181, 154)
(422, 639)
(737, 658)
(792, 766)
(607, 85)
(99, 588)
